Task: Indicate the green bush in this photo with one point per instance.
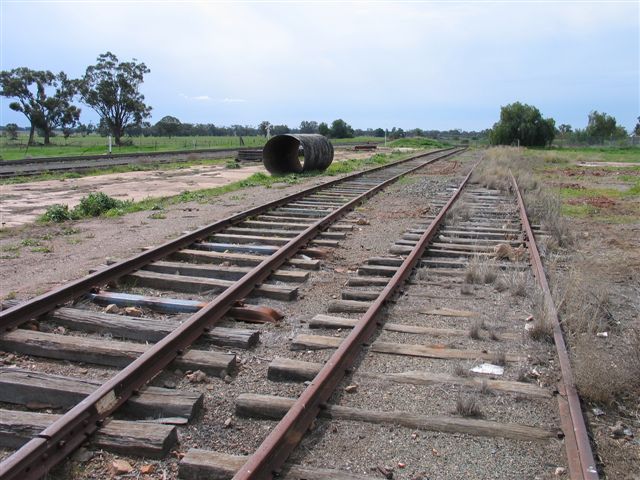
(95, 204)
(57, 213)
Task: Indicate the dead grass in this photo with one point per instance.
(542, 329)
(474, 331)
(459, 212)
(583, 301)
(481, 270)
(543, 205)
(468, 407)
(606, 369)
(460, 371)
(499, 358)
(603, 376)
(518, 283)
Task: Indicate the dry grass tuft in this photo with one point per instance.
(493, 335)
(485, 389)
(422, 274)
(474, 331)
(460, 371)
(545, 207)
(466, 289)
(459, 212)
(481, 270)
(517, 282)
(499, 358)
(583, 301)
(603, 376)
(468, 407)
(542, 329)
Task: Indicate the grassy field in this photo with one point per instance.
(588, 154)
(602, 193)
(97, 145)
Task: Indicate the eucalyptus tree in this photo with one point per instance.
(43, 97)
(112, 89)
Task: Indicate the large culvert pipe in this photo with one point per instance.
(282, 154)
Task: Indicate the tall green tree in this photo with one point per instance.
(523, 124)
(11, 130)
(636, 130)
(280, 129)
(308, 126)
(323, 129)
(168, 126)
(603, 127)
(112, 88)
(43, 97)
(340, 129)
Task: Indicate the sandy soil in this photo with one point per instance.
(23, 203)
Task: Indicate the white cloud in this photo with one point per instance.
(197, 98)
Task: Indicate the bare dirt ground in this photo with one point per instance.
(23, 203)
(36, 257)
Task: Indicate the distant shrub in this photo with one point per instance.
(95, 204)
(57, 213)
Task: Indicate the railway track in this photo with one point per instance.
(263, 252)
(381, 382)
(475, 394)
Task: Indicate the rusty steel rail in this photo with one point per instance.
(276, 448)
(577, 445)
(61, 438)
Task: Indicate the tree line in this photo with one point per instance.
(522, 124)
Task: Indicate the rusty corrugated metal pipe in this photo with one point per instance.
(296, 153)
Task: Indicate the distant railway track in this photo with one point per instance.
(78, 163)
(265, 251)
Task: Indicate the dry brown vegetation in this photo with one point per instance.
(543, 206)
(459, 212)
(517, 282)
(481, 270)
(542, 329)
(602, 374)
(468, 407)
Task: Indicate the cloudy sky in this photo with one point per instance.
(435, 64)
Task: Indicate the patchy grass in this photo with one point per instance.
(110, 170)
(119, 208)
(587, 154)
(417, 142)
(96, 145)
